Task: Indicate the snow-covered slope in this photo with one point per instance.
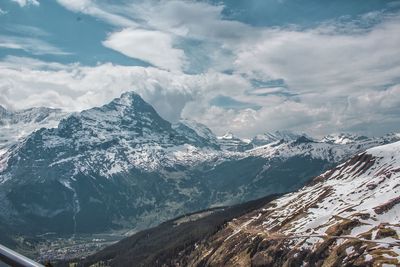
(332, 152)
(16, 125)
(198, 133)
(368, 185)
(230, 142)
(343, 138)
(267, 138)
(348, 216)
(346, 138)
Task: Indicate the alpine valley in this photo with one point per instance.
(122, 166)
(347, 216)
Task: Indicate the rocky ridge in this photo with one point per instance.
(348, 216)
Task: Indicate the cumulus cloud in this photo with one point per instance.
(330, 63)
(26, 82)
(338, 76)
(190, 19)
(133, 40)
(150, 26)
(154, 47)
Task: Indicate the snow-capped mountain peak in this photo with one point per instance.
(128, 118)
(231, 142)
(270, 137)
(343, 138)
(228, 136)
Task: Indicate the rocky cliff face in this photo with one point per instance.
(348, 216)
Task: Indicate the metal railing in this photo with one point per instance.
(12, 258)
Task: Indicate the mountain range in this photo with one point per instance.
(122, 166)
(347, 216)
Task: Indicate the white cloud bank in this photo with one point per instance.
(27, 82)
(337, 80)
(328, 63)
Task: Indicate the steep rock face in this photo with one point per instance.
(197, 133)
(348, 216)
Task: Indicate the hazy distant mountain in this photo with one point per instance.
(343, 138)
(267, 138)
(231, 142)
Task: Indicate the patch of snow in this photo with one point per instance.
(339, 195)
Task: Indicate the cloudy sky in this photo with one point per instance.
(247, 66)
